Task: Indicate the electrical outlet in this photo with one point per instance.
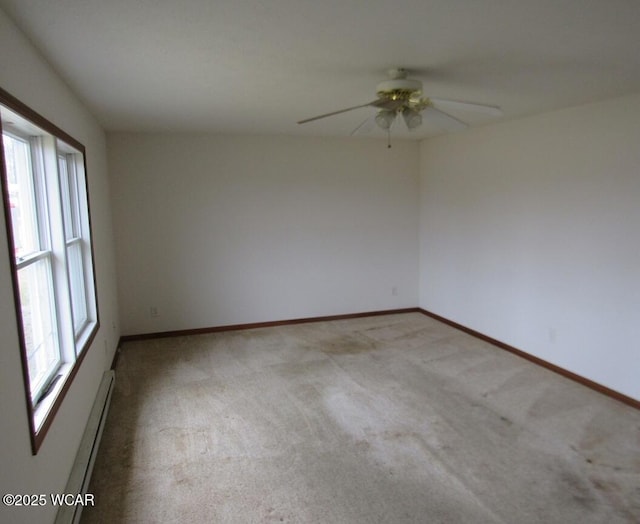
(394, 291)
(153, 311)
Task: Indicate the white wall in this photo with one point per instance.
(530, 233)
(219, 230)
(24, 74)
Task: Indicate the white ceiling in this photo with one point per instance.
(258, 66)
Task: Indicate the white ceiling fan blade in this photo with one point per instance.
(364, 127)
(452, 105)
(374, 103)
(443, 120)
(388, 104)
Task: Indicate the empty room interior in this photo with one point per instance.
(301, 261)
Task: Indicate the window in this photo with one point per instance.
(48, 227)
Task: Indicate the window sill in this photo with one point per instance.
(42, 410)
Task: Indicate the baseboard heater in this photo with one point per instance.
(80, 476)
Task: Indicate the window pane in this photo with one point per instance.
(76, 282)
(40, 336)
(66, 203)
(24, 219)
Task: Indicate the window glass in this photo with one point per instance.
(76, 282)
(21, 196)
(40, 334)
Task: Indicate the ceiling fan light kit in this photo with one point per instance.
(385, 118)
(402, 95)
(412, 118)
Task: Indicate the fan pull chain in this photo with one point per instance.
(389, 138)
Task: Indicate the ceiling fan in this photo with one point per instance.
(404, 96)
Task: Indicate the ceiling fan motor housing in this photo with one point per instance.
(399, 89)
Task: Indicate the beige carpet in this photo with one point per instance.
(394, 419)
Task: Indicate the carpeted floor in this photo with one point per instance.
(392, 419)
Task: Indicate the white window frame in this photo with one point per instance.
(42, 253)
(71, 186)
(59, 185)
